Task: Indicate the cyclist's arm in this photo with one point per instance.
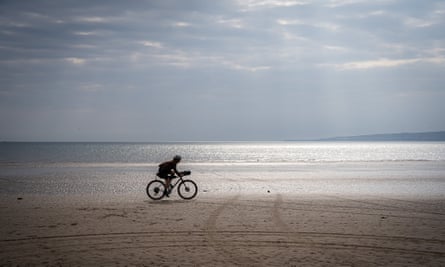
(177, 172)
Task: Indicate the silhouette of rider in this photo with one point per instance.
(167, 171)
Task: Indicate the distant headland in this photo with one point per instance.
(423, 136)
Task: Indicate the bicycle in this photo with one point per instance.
(187, 189)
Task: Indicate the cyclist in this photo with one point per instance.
(167, 171)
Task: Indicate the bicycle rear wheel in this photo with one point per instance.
(155, 190)
(187, 189)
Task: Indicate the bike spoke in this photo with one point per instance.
(187, 189)
(156, 190)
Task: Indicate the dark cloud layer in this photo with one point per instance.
(219, 70)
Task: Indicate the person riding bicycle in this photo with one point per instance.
(167, 171)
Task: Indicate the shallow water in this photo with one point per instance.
(416, 169)
(221, 152)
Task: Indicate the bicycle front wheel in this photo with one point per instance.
(156, 190)
(187, 189)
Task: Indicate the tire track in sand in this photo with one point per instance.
(199, 238)
(276, 214)
(293, 237)
(343, 240)
(388, 207)
(405, 250)
(71, 248)
(223, 245)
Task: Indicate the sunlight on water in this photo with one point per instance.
(302, 167)
(271, 152)
(309, 152)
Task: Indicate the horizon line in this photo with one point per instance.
(335, 138)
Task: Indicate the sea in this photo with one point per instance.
(414, 168)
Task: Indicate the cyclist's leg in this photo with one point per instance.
(167, 183)
(167, 179)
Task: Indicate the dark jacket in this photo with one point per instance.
(167, 168)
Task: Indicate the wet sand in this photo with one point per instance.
(234, 229)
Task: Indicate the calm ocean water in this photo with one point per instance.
(267, 152)
(92, 168)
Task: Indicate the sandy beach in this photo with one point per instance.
(215, 229)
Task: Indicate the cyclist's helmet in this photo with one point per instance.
(177, 158)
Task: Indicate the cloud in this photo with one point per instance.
(75, 60)
(152, 44)
(341, 3)
(380, 63)
(384, 63)
(236, 66)
(234, 23)
(181, 24)
(90, 33)
(92, 87)
(251, 4)
(284, 55)
(330, 26)
(418, 23)
(93, 19)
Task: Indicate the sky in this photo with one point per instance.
(199, 70)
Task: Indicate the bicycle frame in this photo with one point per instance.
(172, 182)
